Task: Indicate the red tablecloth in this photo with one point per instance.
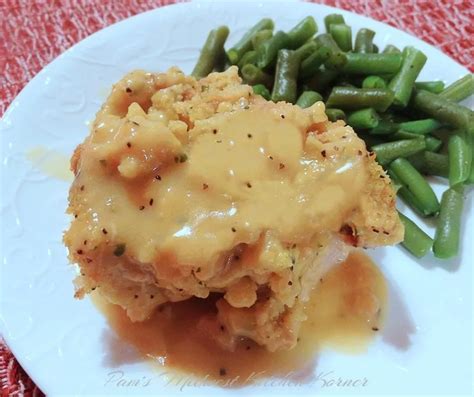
(34, 32)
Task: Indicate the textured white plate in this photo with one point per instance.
(66, 345)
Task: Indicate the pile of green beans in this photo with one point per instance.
(415, 128)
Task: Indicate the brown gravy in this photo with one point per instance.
(340, 316)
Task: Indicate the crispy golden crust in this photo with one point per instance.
(376, 221)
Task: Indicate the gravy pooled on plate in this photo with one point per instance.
(344, 312)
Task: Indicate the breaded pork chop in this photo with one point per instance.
(188, 188)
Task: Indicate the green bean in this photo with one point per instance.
(335, 114)
(308, 98)
(446, 241)
(394, 181)
(333, 19)
(253, 75)
(322, 79)
(249, 57)
(245, 43)
(432, 86)
(442, 135)
(385, 127)
(358, 98)
(306, 50)
(268, 50)
(459, 160)
(391, 49)
(460, 89)
(442, 109)
(342, 35)
(410, 199)
(387, 152)
(337, 58)
(364, 41)
(414, 182)
(366, 64)
(211, 52)
(311, 64)
(431, 163)
(261, 36)
(405, 194)
(420, 126)
(363, 119)
(260, 89)
(286, 76)
(302, 32)
(436, 164)
(222, 63)
(374, 82)
(418, 162)
(401, 134)
(470, 137)
(402, 82)
(433, 144)
(415, 240)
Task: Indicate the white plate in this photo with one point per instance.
(65, 344)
